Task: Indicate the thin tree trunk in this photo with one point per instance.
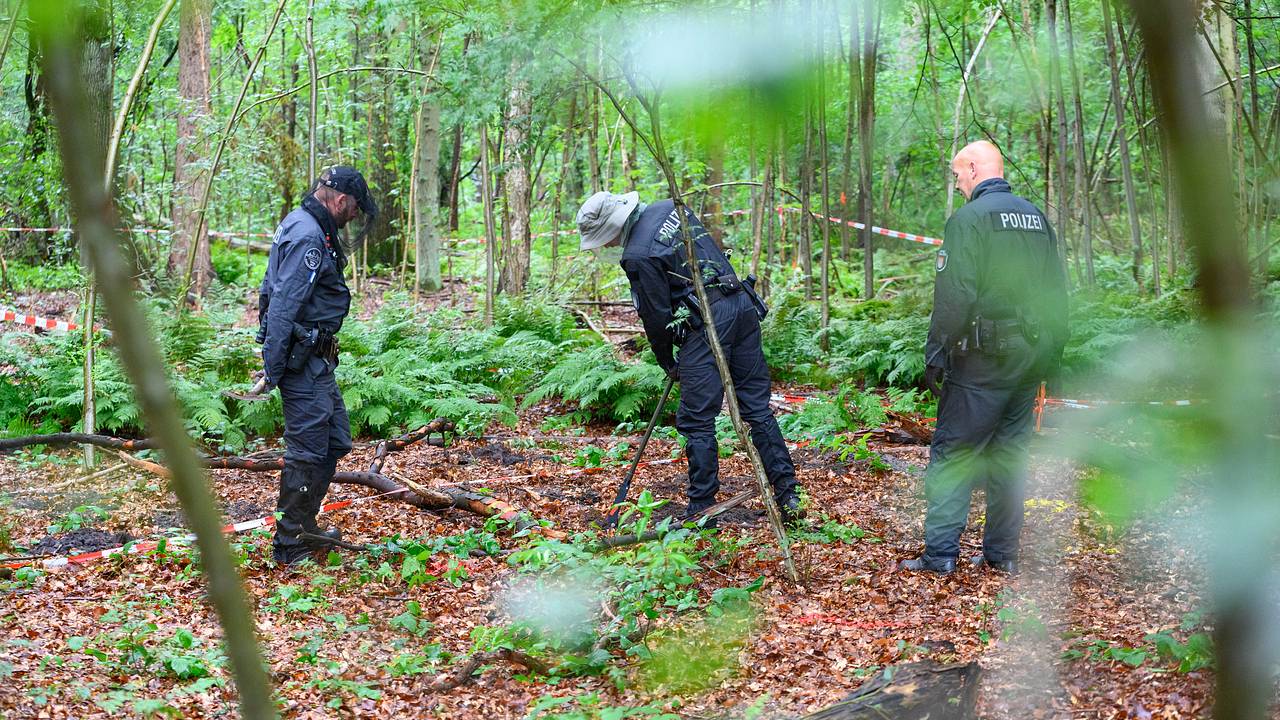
(825, 340)
(83, 164)
(98, 69)
(567, 155)
(1060, 155)
(1129, 63)
(866, 138)
(312, 103)
(1081, 169)
(426, 200)
(426, 203)
(490, 239)
(187, 243)
(1130, 198)
(516, 187)
(955, 123)
(455, 176)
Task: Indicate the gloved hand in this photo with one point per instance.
(933, 375)
(673, 372)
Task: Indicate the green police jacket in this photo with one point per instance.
(999, 261)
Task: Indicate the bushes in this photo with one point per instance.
(397, 372)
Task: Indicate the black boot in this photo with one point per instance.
(1005, 566)
(791, 508)
(924, 563)
(294, 512)
(316, 492)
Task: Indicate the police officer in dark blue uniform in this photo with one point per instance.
(301, 305)
(654, 259)
(998, 328)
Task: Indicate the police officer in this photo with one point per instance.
(998, 328)
(301, 306)
(654, 259)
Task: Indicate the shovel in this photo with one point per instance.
(611, 519)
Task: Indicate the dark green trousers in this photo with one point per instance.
(981, 438)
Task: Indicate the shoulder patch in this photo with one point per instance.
(312, 258)
(941, 263)
(1017, 221)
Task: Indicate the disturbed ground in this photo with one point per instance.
(1083, 587)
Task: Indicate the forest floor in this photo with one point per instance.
(1065, 638)
(808, 646)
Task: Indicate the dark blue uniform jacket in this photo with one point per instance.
(303, 285)
(654, 260)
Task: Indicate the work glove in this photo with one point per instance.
(673, 372)
(933, 379)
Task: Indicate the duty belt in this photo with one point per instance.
(993, 336)
(722, 287)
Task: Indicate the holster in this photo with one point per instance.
(305, 342)
(994, 337)
(309, 341)
(750, 286)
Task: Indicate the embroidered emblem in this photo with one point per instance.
(312, 258)
(942, 261)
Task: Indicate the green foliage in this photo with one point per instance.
(598, 383)
(45, 276)
(137, 648)
(79, 517)
(1195, 653)
(637, 582)
(592, 707)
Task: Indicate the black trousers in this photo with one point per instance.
(981, 438)
(702, 395)
(317, 434)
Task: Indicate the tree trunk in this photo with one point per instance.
(1060, 107)
(866, 138)
(1082, 168)
(825, 283)
(516, 187)
(1117, 101)
(97, 66)
(567, 154)
(83, 164)
(490, 239)
(195, 21)
(427, 198)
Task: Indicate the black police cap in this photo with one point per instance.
(348, 180)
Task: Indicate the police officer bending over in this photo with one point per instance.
(654, 259)
(998, 328)
(301, 306)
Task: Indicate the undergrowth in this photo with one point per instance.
(397, 372)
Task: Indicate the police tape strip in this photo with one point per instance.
(144, 231)
(13, 316)
(854, 224)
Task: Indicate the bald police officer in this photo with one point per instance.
(301, 305)
(998, 328)
(654, 259)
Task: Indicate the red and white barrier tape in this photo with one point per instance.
(145, 231)
(11, 316)
(855, 224)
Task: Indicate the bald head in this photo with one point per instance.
(976, 162)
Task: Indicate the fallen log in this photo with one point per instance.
(439, 425)
(61, 439)
(912, 691)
